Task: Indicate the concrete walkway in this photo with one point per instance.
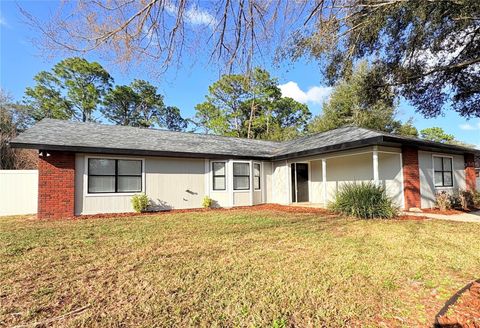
(462, 217)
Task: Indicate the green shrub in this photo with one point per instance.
(140, 203)
(476, 198)
(364, 200)
(466, 199)
(444, 201)
(207, 202)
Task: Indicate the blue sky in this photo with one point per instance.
(20, 60)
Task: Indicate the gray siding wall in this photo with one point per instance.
(427, 188)
(169, 182)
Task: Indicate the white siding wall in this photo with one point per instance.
(18, 192)
(342, 167)
(175, 183)
(427, 188)
(316, 182)
(169, 183)
(353, 168)
(391, 176)
(257, 197)
(268, 176)
(280, 183)
(241, 198)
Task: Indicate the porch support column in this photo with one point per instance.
(324, 181)
(376, 178)
(251, 183)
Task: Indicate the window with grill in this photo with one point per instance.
(241, 176)
(114, 176)
(443, 172)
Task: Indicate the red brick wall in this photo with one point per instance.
(56, 185)
(411, 178)
(470, 171)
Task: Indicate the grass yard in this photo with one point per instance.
(265, 268)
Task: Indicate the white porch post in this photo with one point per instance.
(324, 181)
(376, 178)
(251, 183)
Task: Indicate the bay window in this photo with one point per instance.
(256, 176)
(241, 176)
(219, 176)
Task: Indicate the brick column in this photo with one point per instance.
(56, 185)
(470, 178)
(411, 178)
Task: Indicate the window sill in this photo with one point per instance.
(110, 194)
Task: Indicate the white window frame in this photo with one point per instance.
(212, 174)
(433, 172)
(110, 194)
(260, 175)
(250, 180)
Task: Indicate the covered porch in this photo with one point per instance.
(314, 181)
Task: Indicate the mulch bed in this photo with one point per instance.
(255, 208)
(462, 310)
(412, 218)
(446, 212)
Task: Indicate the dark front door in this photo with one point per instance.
(299, 182)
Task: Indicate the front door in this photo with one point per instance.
(299, 182)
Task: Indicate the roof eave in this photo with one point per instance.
(429, 145)
(136, 152)
(332, 148)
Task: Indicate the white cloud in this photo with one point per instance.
(470, 127)
(467, 126)
(199, 16)
(3, 22)
(193, 15)
(314, 95)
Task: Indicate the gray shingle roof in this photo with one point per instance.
(323, 140)
(49, 132)
(52, 134)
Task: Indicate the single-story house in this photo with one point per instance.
(88, 168)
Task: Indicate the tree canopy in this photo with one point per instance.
(80, 90)
(349, 105)
(428, 50)
(73, 89)
(139, 104)
(12, 121)
(437, 134)
(251, 106)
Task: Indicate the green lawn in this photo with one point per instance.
(232, 268)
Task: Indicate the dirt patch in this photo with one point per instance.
(463, 309)
(255, 208)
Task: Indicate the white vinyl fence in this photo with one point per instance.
(18, 192)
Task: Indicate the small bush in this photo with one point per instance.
(443, 200)
(365, 201)
(207, 202)
(466, 199)
(140, 203)
(476, 198)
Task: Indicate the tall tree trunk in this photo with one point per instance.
(250, 121)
